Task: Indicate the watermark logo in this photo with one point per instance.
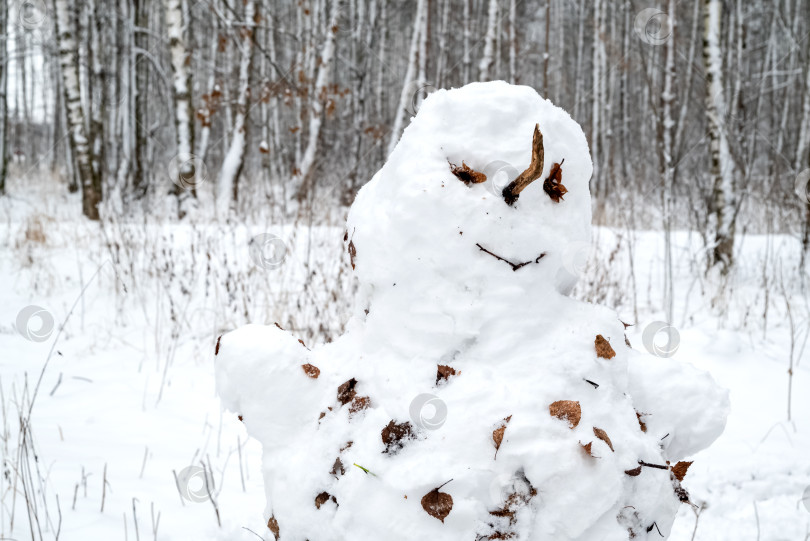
(420, 91)
(31, 13)
(267, 251)
(575, 257)
(803, 185)
(657, 331)
(501, 487)
(499, 174)
(195, 484)
(35, 323)
(188, 171)
(428, 411)
(652, 26)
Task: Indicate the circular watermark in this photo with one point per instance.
(806, 498)
(575, 257)
(35, 323)
(428, 411)
(419, 91)
(31, 13)
(499, 174)
(802, 185)
(653, 26)
(188, 171)
(267, 251)
(195, 484)
(652, 335)
(501, 487)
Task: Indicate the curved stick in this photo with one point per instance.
(532, 173)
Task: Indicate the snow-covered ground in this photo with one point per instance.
(129, 386)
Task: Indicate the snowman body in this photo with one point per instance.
(465, 355)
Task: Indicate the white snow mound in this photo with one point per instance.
(431, 295)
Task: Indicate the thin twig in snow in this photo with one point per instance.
(135, 519)
(143, 465)
(210, 494)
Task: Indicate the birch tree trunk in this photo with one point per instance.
(668, 159)
(228, 185)
(596, 126)
(467, 33)
(407, 84)
(3, 102)
(721, 168)
(487, 59)
(183, 111)
(302, 182)
(803, 163)
(68, 52)
(141, 81)
(513, 44)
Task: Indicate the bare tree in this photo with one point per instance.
(228, 185)
(487, 59)
(68, 54)
(407, 85)
(724, 198)
(3, 102)
(318, 103)
(183, 110)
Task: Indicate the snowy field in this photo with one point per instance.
(125, 416)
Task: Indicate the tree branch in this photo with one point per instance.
(532, 173)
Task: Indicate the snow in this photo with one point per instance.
(430, 294)
(117, 346)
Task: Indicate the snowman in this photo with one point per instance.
(470, 398)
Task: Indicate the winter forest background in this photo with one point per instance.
(151, 153)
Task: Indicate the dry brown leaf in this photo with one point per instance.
(603, 348)
(566, 410)
(444, 372)
(679, 470)
(602, 435)
(522, 495)
(552, 186)
(587, 448)
(359, 403)
(395, 435)
(680, 492)
(635, 472)
(467, 175)
(627, 341)
(497, 434)
(352, 253)
(322, 498)
(337, 468)
(272, 525)
(347, 391)
(311, 370)
(437, 504)
(216, 349)
(641, 423)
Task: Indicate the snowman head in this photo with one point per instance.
(428, 213)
